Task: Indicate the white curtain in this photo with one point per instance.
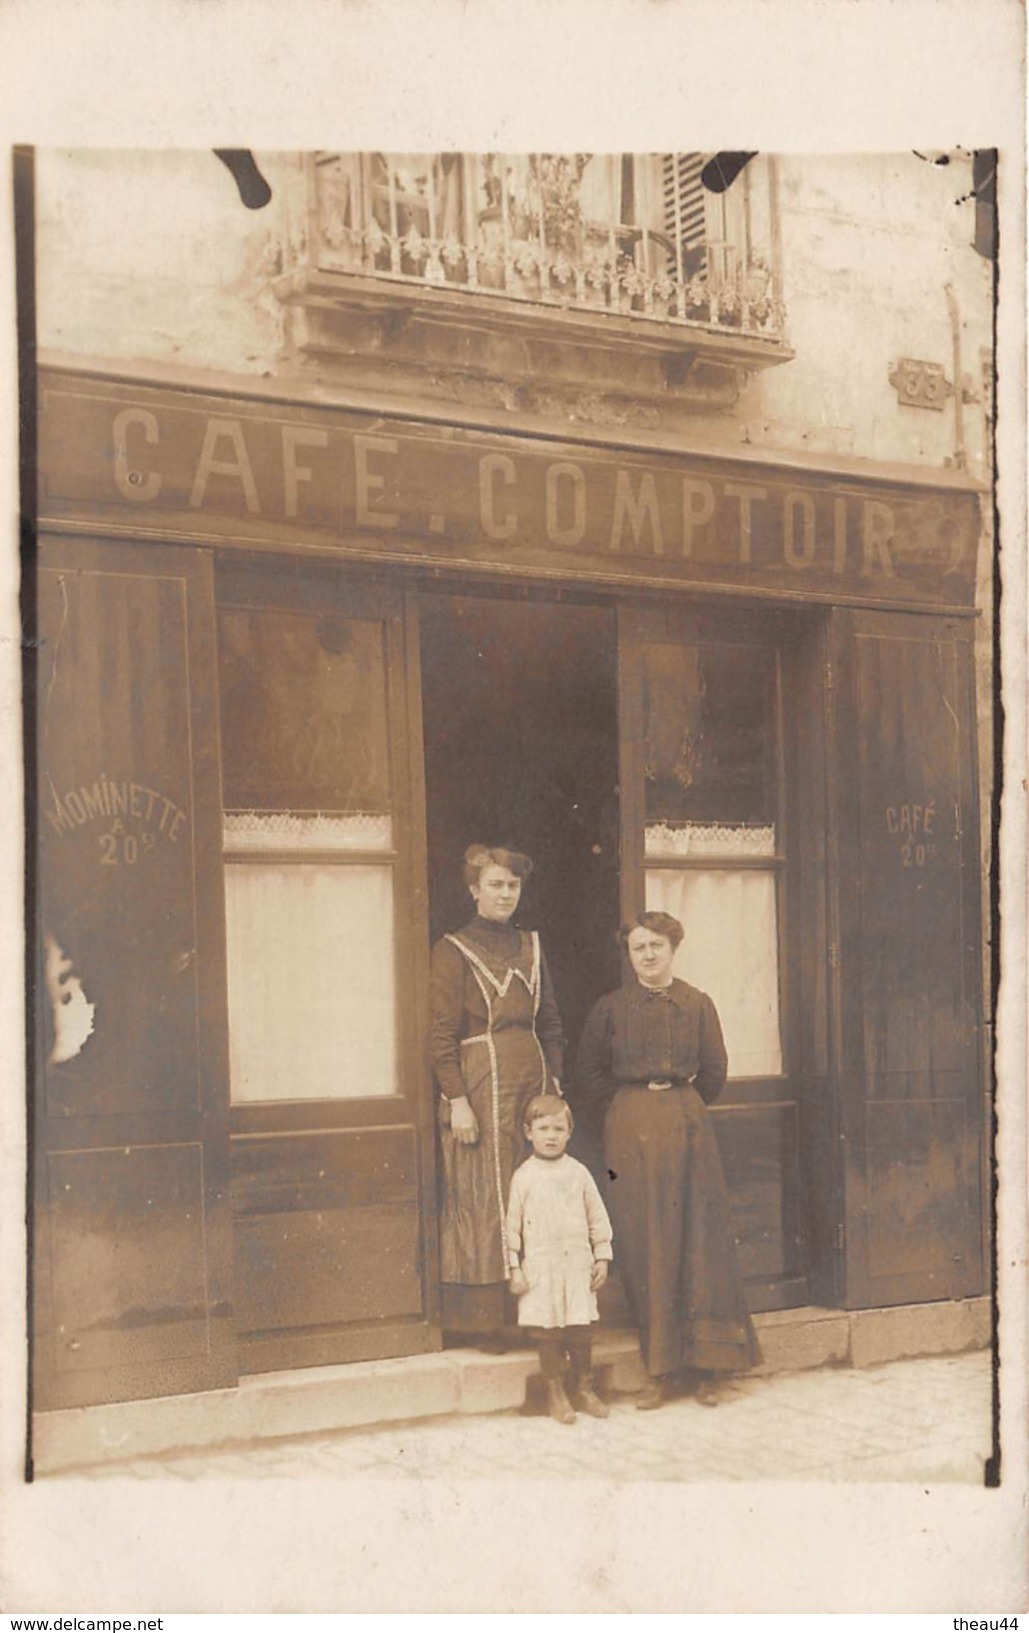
(310, 974)
(731, 952)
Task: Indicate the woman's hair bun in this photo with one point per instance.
(477, 857)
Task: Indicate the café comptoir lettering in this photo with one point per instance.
(308, 475)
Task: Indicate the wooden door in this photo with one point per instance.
(912, 1095)
(706, 835)
(332, 1140)
(132, 1247)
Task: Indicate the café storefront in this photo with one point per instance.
(293, 657)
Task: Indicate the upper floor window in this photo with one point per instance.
(633, 234)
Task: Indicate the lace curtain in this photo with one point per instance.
(255, 832)
(730, 952)
(310, 975)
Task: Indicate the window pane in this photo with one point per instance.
(709, 737)
(310, 974)
(427, 193)
(303, 711)
(731, 952)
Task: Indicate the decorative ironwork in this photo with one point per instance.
(609, 233)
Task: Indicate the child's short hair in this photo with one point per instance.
(547, 1105)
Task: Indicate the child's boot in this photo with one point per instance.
(558, 1404)
(585, 1397)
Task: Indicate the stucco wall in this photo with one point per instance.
(869, 245)
(151, 256)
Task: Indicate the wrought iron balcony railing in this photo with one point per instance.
(634, 235)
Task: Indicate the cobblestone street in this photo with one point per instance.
(924, 1420)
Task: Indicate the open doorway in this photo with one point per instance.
(521, 749)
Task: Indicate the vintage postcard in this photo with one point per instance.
(522, 740)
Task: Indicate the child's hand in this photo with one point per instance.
(598, 1275)
(519, 1282)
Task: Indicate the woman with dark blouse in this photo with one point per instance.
(495, 1041)
(650, 1061)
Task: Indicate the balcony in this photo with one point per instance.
(626, 257)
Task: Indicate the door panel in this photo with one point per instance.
(133, 1233)
(331, 1114)
(706, 836)
(147, 1284)
(760, 1148)
(910, 957)
(327, 1228)
(115, 810)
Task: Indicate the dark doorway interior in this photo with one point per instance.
(521, 749)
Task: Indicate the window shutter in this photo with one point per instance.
(133, 1229)
(685, 207)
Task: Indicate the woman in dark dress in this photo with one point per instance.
(495, 1041)
(651, 1059)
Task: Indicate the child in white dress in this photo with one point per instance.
(559, 1248)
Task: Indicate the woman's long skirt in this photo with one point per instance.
(673, 1242)
(477, 1178)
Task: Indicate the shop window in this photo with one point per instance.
(711, 844)
(308, 855)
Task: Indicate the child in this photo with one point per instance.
(558, 1248)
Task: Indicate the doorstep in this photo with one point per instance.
(317, 1400)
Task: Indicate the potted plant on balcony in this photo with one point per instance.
(698, 300)
(598, 271)
(547, 226)
(757, 292)
(730, 306)
(664, 295)
(509, 252)
(632, 286)
(523, 268)
(565, 278)
(377, 246)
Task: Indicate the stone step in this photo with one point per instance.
(316, 1400)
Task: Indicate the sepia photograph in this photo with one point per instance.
(444, 560)
(512, 742)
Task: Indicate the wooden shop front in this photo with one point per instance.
(293, 657)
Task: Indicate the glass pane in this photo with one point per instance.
(303, 711)
(427, 194)
(709, 736)
(310, 974)
(731, 952)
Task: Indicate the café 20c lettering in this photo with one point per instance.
(402, 488)
(913, 827)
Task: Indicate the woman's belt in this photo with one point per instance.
(657, 1083)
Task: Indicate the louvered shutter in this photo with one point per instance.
(684, 207)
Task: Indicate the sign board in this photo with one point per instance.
(174, 463)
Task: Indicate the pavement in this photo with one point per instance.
(926, 1420)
